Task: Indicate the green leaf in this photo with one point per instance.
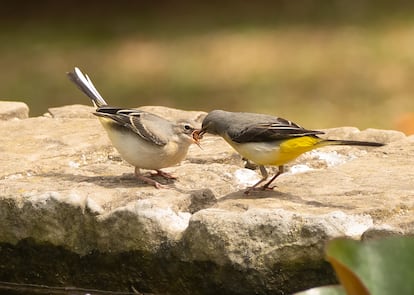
(327, 290)
(380, 267)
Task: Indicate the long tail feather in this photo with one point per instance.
(350, 142)
(86, 86)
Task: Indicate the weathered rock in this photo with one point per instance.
(13, 110)
(72, 111)
(382, 231)
(82, 111)
(174, 114)
(65, 194)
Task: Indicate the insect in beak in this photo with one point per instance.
(197, 135)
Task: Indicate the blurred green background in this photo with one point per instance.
(319, 63)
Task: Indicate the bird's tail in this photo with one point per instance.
(349, 142)
(85, 84)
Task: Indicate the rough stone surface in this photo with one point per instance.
(71, 111)
(13, 110)
(66, 195)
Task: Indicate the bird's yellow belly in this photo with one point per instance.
(275, 153)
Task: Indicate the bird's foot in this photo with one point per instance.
(268, 188)
(164, 174)
(148, 180)
(260, 188)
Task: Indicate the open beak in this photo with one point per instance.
(197, 135)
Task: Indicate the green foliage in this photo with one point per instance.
(380, 267)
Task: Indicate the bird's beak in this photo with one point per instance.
(197, 135)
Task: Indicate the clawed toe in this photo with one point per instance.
(166, 175)
(148, 180)
(260, 188)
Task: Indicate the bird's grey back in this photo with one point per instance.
(252, 127)
(158, 126)
(235, 121)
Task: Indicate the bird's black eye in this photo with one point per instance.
(187, 127)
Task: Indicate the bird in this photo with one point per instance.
(143, 139)
(266, 140)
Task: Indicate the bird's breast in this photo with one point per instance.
(275, 153)
(142, 153)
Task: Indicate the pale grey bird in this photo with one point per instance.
(143, 139)
(266, 140)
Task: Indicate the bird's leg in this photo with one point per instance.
(148, 180)
(249, 164)
(164, 174)
(281, 170)
(264, 173)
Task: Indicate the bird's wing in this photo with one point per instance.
(148, 126)
(268, 131)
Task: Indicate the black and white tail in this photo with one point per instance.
(85, 84)
(327, 142)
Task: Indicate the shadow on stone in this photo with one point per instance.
(127, 180)
(33, 263)
(277, 195)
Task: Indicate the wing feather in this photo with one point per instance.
(144, 124)
(277, 129)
